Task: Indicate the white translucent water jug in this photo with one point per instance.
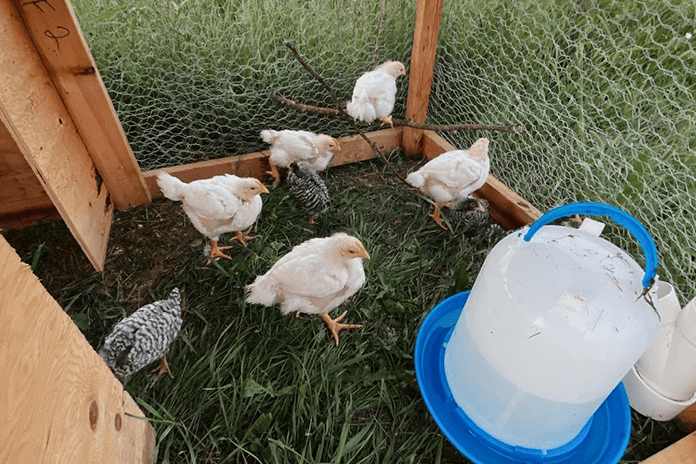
(556, 318)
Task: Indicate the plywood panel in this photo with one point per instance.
(353, 148)
(59, 40)
(20, 190)
(508, 208)
(34, 114)
(60, 403)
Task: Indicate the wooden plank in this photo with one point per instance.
(682, 452)
(56, 33)
(20, 190)
(508, 208)
(42, 128)
(353, 149)
(60, 403)
(423, 53)
(688, 418)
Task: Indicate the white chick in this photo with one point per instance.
(144, 337)
(375, 92)
(315, 277)
(288, 146)
(452, 176)
(217, 205)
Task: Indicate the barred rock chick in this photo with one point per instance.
(144, 337)
(470, 215)
(309, 190)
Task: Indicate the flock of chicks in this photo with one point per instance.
(319, 274)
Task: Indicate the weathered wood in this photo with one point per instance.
(57, 36)
(60, 403)
(41, 126)
(508, 208)
(688, 418)
(682, 452)
(353, 148)
(425, 34)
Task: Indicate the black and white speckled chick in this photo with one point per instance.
(309, 190)
(144, 336)
(470, 215)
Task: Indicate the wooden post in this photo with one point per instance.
(508, 208)
(60, 403)
(57, 36)
(425, 34)
(42, 128)
(688, 418)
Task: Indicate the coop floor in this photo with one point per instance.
(253, 386)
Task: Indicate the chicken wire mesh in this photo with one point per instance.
(606, 90)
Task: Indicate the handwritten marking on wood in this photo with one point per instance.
(53, 27)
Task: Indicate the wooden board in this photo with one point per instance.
(688, 418)
(20, 190)
(60, 403)
(682, 452)
(353, 148)
(508, 208)
(425, 33)
(34, 114)
(57, 36)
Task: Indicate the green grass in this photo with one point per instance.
(252, 385)
(606, 92)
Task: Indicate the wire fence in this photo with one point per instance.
(606, 90)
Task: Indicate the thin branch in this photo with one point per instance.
(342, 111)
(400, 122)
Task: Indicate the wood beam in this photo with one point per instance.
(353, 149)
(508, 208)
(688, 418)
(56, 34)
(423, 54)
(42, 128)
(681, 452)
(60, 403)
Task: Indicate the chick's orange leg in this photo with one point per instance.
(216, 251)
(274, 173)
(335, 325)
(388, 120)
(162, 368)
(243, 237)
(437, 218)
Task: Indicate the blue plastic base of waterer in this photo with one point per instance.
(602, 441)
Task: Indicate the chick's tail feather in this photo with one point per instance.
(268, 135)
(171, 187)
(362, 111)
(261, 292)
(416, 179)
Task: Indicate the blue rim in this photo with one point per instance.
(602, 441)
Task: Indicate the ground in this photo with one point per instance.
(251, 385)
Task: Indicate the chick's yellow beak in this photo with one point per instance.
(262, 187)
(362, 252)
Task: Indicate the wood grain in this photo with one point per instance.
(353, 149)
(60, 403)
(425, 34)
(34, 114)
(508, 208)
(56, 34)
(682, 452)
(20, 190)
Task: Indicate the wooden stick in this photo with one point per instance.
(399, 122)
